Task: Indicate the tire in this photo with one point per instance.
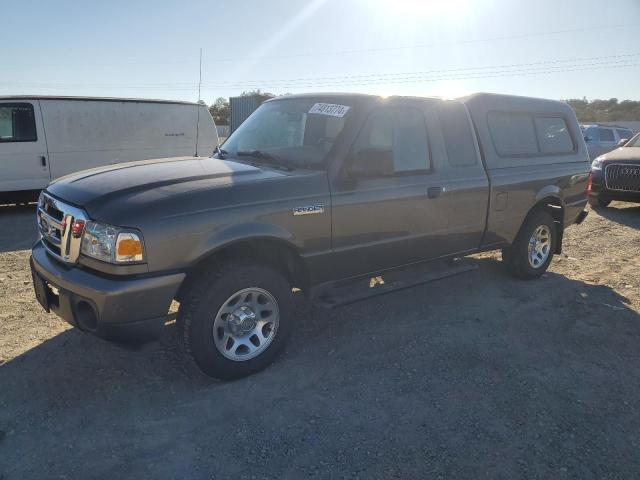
(517, 256)
(597, 202)
(217, 306)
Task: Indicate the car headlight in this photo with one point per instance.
(111, 244)
(596, 164)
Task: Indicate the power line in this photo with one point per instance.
(409, 79)
(453, 73)
(427, 45)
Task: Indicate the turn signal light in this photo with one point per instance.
(128, 248)
(589, 184)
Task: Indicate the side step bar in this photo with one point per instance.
(345, 292)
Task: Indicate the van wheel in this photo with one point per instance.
(597, 202)
(531, 253)
(236, 319)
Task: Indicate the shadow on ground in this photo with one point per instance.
(623, 213)
(475, 375)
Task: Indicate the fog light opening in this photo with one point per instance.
(86, 317)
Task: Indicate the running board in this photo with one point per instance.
(345, 292)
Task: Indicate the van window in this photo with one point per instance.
(17, 123)
(458, 138)
(606, 135)
(553, 135)
(513, 133)
(402, 132)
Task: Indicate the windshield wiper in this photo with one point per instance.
(268, 158)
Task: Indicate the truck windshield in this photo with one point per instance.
(300, 132)
(634, 142)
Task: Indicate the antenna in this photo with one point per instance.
(198, 106)
(200, 79)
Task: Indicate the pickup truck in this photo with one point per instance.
(310, 191)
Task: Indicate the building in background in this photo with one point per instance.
(243, 106)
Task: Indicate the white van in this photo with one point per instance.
(43, 138)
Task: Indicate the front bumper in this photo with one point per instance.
(114, 307)
(599, 190)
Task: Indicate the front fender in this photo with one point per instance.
(244, 232)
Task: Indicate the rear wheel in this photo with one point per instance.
(531, 253)
(597, 202)
(236, 319)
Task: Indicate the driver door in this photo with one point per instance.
(393, 210)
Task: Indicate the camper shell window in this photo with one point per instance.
(523, 134)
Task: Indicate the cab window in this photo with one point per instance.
(606, 135)
(392, 141)
(17, 123)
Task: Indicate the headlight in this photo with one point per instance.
(596, 164)
(111, 244)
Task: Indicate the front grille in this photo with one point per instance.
(54, 219)
(623, 177)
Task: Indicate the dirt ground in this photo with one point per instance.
(475, 376)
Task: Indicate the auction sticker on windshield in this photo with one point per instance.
(330, 109)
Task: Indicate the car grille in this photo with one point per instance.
(54, 219)
(623, 177)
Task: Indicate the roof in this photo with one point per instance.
(91, 99)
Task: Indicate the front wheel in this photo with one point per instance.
(236, 319)
(531, 253)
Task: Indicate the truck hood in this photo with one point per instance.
(151, 181)
(622, 153)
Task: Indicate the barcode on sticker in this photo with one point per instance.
(330, 109)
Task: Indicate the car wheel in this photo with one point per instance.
(531, 253)
(236, 319)
(597, 202)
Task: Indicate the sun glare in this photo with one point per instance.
(420, 8)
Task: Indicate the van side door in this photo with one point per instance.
(23, 148)
(392, 210)
(467, 183)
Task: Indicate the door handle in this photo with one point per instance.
(434, 192)
(43, 160)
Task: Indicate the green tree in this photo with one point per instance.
(610, 110)
(220, 111)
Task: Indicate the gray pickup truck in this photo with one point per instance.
(311, 192)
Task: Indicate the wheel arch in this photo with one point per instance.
(261, 248)
(549, 200)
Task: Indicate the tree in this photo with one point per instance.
(605, 110)
(256, 92)
(220, 111)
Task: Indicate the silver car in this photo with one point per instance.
(601, 139)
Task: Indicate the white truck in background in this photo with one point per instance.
(44, 138)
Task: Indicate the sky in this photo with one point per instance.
(449, 48)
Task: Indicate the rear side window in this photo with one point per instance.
(606, 135)
(513, 133)
(17, 123)
(553, 135)
(458, 137)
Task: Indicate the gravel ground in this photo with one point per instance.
(475, 376)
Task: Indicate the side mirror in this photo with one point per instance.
(623, 142)
(372, 162)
